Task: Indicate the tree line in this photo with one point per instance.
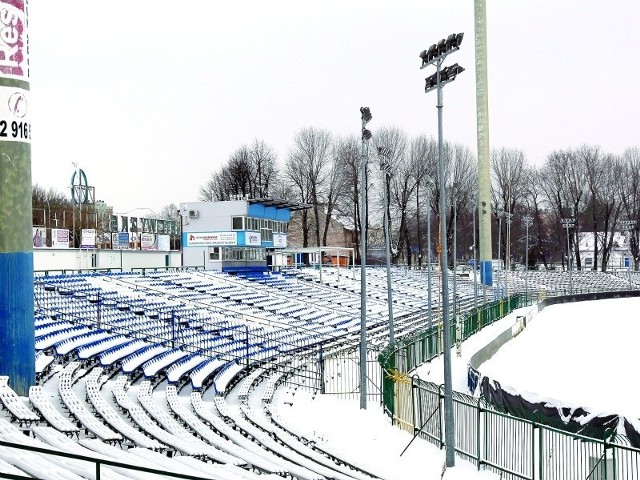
(597, 189)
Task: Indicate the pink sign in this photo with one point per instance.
(13, 39)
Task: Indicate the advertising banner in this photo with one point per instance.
(164, 243)
(59, 238)
(148, 241)
(88, 238)
(120, 240)
(211, 238)
(280, 240)
(252, 239)
(39, 237)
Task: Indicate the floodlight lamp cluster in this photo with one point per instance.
(628, 224)
(441, 49)
(385, 152)
(365, 115)
(568, 222)
(448, 74)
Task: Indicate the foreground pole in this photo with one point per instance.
(17, 343)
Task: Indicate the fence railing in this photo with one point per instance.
(410, 352)
(518, 447)
(515, 447)
(88, 464)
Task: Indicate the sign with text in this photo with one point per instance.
(14, 50)
(59, 238)
(148, 241)
(88, 238)
(211, 238)
(253, 239)
(279, 240)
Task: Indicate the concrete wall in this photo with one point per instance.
(69, 259)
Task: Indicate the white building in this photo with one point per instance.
(235, 236)
(620, 257)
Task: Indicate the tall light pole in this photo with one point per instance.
(454, 191)
(569, 223)
(475, 256)
(527, 221)
(628, 226)
(384, 154)
(365, 115)
(430, 185)
(435, 55)
(500, 215)
(508, 217)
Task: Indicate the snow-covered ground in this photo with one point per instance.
(579, 354)
(578, 336)
(368, 434)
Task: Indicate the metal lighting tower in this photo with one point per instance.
(430, 185)
(435, 55)
(527, 221)
(508, 218)
(484, 157)
(384, 154)
(365, 115)
(500, 214)
(628, 226)
(569, 223)
(475, 257)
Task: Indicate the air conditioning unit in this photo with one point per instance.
(194, 214)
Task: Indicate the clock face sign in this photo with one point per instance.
(79, 187)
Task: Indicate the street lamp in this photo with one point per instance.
(436, 55)
(628, 226)
(527, 221)
(384, 154)
(569, 223)
(365, 116)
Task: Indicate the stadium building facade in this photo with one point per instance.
(235, 236)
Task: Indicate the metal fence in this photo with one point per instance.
(411, 352)
(517, 447)
(336, 374)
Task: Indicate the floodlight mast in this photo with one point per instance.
(385, 154)
(569, 223)
(527, 221)
(365, 116)
(436, 55)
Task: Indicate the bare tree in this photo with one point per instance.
(262, 168)
(629, 189)
(400, 185)
(609, 204)
(423, 153)
(508, 189)
(566, 190)
(347, 159)
(249, 172)
(311, 152)
(295, 171)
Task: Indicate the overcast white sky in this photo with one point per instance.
(151, 97)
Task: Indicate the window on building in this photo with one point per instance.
(214, 253)
(266, 234)
(237, 223)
